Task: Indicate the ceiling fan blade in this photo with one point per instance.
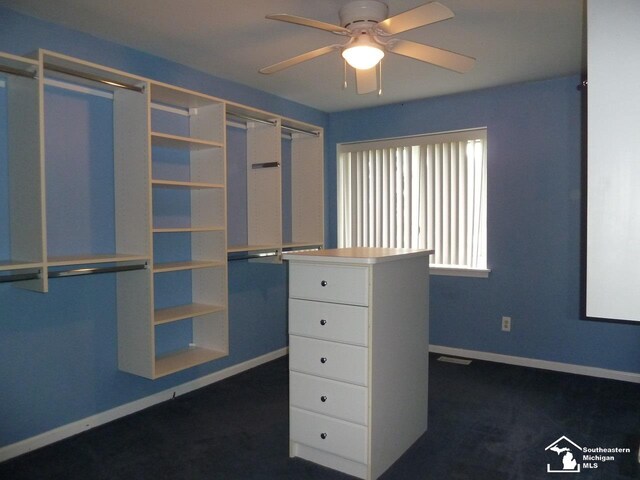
(366, 80)
(436, 56)
(299, 59)
(417, 17)
(307, 22)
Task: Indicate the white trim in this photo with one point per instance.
(535, 363)
(459, 272)
(79, 426)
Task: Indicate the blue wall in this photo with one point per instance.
(58, 351)
(534, 178)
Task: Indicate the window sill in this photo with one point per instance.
(460, 272)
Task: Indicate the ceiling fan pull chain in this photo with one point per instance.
(380, 79)
(344, 85)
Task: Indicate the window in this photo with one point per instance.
(427, 191)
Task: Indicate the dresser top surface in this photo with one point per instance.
(365, 255)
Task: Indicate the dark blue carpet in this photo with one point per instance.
(486, 421)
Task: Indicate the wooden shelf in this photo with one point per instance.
(178, 141)
(174, 362)
(178, 266)
(88, 259)
(181, 184)
(18, 265)
(180, 97)
(174, 314)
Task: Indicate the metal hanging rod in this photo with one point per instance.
(310, 248)
(300, 130)
(265, 165)
(93, 271)
(74, 272)
(93, 78)
(250, 255)
(17, 72)
(273, 123)
(17, 277)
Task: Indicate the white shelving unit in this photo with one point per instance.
(131, 194)
(160, 199)
(25, 240)
(130, 173)
(198, 159)
(307, 187)
(284, 201)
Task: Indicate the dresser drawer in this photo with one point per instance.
(337, 361)
(329, 283)
(329, 321)
(341, 438)
(329, 397)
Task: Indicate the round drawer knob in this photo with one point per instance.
(323, 283)
(323, 398)
(323, 435)
(323, 322)
(323, 360)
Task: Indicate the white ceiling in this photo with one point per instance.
(513, 41)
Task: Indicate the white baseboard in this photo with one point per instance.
(93, 421)
(533, 363)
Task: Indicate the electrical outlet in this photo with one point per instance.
(506, 324)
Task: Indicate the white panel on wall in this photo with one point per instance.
(613, 173)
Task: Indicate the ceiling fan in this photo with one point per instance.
(369, 33)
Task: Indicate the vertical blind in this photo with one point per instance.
(417, 192)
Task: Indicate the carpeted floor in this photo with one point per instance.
(486, 421)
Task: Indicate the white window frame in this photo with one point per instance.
(364, 207)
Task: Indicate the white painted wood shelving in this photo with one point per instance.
(25, 227)
(196, 156)
(284, 182)
(169, 228)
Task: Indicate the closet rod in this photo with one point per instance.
(273, 123)
(17, 277)
(232, 257)
(265, 165)
(93, 78)
(252, 119)
(19, 73)
(300, 130)
(310, 248)
(92, 271)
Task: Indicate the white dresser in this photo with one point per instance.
(358, 356)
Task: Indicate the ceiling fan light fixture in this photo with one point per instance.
(363, 57)
(363, 53)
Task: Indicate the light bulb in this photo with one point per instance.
(363, 57)
(363, 53)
